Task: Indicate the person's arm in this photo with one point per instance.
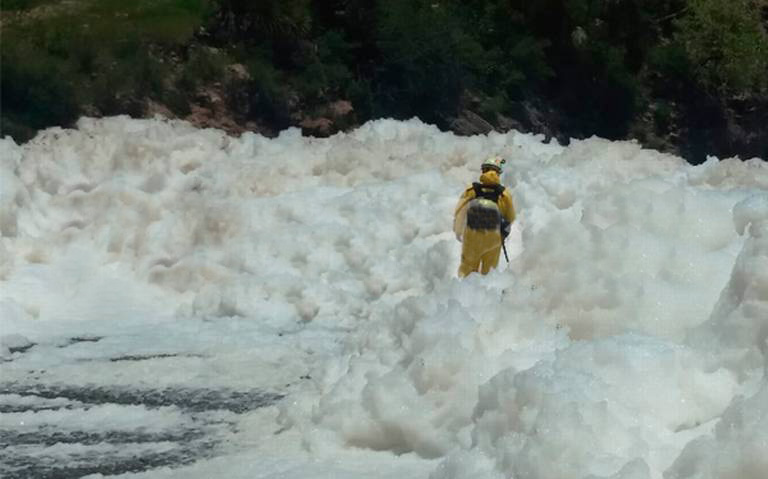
(507, 207)
(460, 213)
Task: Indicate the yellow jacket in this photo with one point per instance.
(506, 207)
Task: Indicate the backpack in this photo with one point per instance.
(483, 210)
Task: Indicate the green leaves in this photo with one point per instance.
(727, 45)
(592, 66)
(62, 58)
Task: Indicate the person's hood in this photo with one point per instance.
(490, 177)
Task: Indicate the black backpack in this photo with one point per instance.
(483, 210)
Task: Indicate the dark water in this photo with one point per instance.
(25, 454)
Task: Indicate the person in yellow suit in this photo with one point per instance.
(482, 219)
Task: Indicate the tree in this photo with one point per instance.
(727, 45)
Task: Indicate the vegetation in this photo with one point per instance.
(681, 75)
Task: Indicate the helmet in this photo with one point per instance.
(493, 163)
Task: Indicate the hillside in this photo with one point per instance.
(683, 76)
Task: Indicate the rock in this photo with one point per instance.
(91, 111)
(340, 108)
(238, 72)
(470, 123)
(210, 97)
(471, 101)
(203, 117)
(292, 100)
(316, 126)
(544, 122)
(505, 124)
(326, 119)
(154, 108)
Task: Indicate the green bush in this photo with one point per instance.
(203, 65)
(427, 59)
(726, 44)
(601, 67)
(268, 90)
(8, 5)
(510, 59)
(325, 74)
(34, 93)
(101, 53)
(263, 20)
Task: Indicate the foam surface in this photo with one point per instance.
(626, 339)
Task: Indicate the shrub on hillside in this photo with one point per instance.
(727, 45)
(96, 53)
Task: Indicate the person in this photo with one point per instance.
(482, 219)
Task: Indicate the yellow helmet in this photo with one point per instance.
(493, 163)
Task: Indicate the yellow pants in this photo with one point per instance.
(480, 251)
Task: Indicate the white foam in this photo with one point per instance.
(626, 339)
